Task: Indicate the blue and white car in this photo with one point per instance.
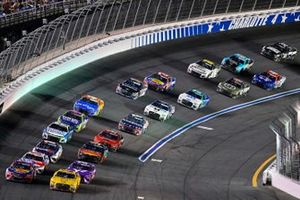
(134, 124)
(58, 132)
(159, 110)
(194, 99)
(132, 88)
(89, 105)
(237, 63)
(269, 80)
(75, 119)
(52, 149)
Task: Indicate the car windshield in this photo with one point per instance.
(157, 76)
(19, 165)
(73, 115)
(194, 94)
(280, 46)
(80, 166)
(269, 76)
(235, 83)
(134, 85)
(58, 127)
(161, 105)
(205, 64)
(89, 101)
(110, 136)
(237, 59)
(136, 119)
(65, 175)
(92, 147)
(44, 145)
(33, 157)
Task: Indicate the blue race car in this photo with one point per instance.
(133, 123)
(89, 105)
(59, 132)
(75, 119)
(160, 82)
(268, 80)
(237, 63)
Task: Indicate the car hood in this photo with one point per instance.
(262, 78)
(131, 123)
(228, 87)
(86, 105)
(56, 132)
(69, 120)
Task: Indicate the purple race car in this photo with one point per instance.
(160, 82)
(86, 170)
(21, 171)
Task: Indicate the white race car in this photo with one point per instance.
(159, 110)
(204, 69)
(40, 161)
(193, 99)
(52, 149)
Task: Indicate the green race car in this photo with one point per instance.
(234, 88)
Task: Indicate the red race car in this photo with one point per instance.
(112, 139)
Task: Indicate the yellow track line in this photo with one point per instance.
(261, 167)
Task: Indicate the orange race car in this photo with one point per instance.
(93, 151)
(113, 139)
(89, 105)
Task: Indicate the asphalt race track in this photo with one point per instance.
(201, 164)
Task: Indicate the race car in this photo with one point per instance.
(237, 63)
(132, 88)
(89, 105)
(86, 170)
(52, 149)
(204, 69)
(40, 161)
(279, 52)
(58, 132)
(160, 82)
(268, 80)
(75, 119)
(133, 123)
(233, 87)
(159, 110)
(112, 139)
(94, 152)
(65, 180)
(193, 99)
(20, 170)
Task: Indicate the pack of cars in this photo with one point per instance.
(49, 150)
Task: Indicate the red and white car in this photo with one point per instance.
(40, 161)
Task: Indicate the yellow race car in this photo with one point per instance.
(65, 180)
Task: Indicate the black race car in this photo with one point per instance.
(132, 88)
(279, 52)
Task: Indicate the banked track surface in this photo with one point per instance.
(200, 164)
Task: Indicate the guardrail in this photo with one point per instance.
(79, 28)
(146, 36)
